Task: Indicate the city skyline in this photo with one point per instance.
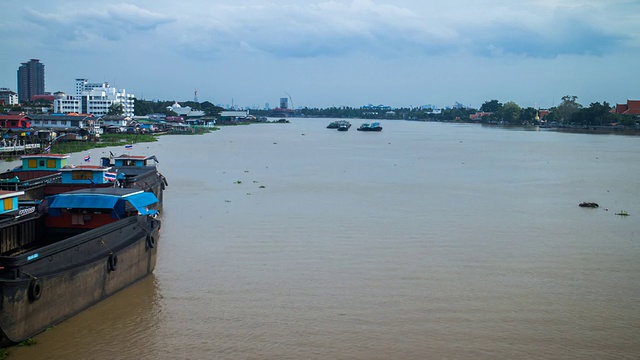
(334, 53)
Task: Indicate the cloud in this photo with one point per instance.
(562, 33)
(111, 22)
(339, 28)
(308, 29)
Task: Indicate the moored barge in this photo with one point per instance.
(75, 250)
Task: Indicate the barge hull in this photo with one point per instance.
(46, 286)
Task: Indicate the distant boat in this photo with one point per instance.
(370, 127)
(337, 124)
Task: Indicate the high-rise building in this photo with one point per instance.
(30, 80)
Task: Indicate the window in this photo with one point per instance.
(8, 204)
(41, 163)
(32, 163)
(82, 175)
(51, 164)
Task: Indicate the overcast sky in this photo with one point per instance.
(333, 53)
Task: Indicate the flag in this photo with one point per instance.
(87, 158)
(128, 146)
(110, 176)
(47, 149)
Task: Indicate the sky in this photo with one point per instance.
(324, 53)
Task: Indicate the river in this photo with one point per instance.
(423, 241)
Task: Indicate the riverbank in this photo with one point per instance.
(104, 141)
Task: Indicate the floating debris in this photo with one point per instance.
(237, 182)
(262, 187)
(589, 205)
(622, 213)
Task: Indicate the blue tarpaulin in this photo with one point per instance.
(99, 201)
(141, 200)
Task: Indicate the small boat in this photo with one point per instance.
(337, 124)
(370, 127)
(75, 250)
(333, 125)
(343, 127)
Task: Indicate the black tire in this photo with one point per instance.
(151, 241)
(112, 263)
(35, 289)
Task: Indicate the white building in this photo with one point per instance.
(185, 111)
(8, 96)
(94, 98)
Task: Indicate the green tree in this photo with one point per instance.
(491, 106)
(116, 109)
(567, 107)
(528, 115)
(510, 113)
(141, 107)
(596, 114)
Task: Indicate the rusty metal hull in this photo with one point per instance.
(48, 284)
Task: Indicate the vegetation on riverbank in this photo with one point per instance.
(114, 139)
(569, 113)
(106, 140)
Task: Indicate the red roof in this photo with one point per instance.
(85, 167)
(632, 107)
(44, 97)
(136, 157)
(14, 117)
(479, 115)
(53, 156)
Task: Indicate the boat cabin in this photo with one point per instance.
(44, 161)
(85, 174)
(36, 172)
(9, 201)
(135, 160)
(93, 208)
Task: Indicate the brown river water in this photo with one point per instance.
(423, 241)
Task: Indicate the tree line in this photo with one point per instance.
(569, 112)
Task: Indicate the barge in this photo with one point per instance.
(72, 251)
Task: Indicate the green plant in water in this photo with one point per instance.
(3, 354)
(28, 342)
